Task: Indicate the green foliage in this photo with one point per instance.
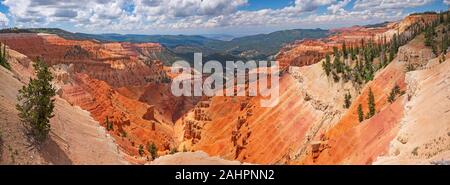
(393, 94)
(336, 77)
(353, 53)
(344, 51)
(109, 125)
(141, 150)
(123, 133)
(445, 43)
(173, 151)
(347, 100)
(371, 104)
(360, 113)
(337, 65)
(3, 57)
(327, 65)
(36, 103)
(429, 35)
(152, 149)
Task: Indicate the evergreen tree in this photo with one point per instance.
(429, 34)
(371, 104)
(360, 113)
(368, 71)
(347, 100)
(153, 150)
(353, 52)
(36, 103)
(395, 43)
(394, 92)
(344, 51)
(109, 125)
(444, 43)
(327, 65)
(3, 57)
(141, 150)
(391, 54)
(337, 64)
(383, 59)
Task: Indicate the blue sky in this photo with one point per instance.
(235, 17)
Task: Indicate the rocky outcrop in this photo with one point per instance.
(130, 118)
(303, 53)
(424, 136)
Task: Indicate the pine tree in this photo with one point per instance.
(347, 100)
(360, 113)
(383, 59)
(445, 43)
(395, 43)
(391, 54)
(393, 94)
(327, 65)
(371, 104)
(3, 57)
(141, 150)
(109, 125)
(337, 64)
(36, 103)
(344, 51)
(153, 150)
(353, 52)
(429, 32)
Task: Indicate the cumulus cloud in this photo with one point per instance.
(310, 5)
(125, 15)
(388, 4)
(447, 2)
(334, 8)
(3, 20)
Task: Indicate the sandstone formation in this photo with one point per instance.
(72, 129)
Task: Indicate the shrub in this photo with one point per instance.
(394, 92)
(173, 150)
(141, 150)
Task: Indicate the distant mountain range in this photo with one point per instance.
(214, 47)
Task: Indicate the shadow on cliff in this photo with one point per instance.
(53, 154)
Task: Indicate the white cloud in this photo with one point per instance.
(334, 8)
(144, 15)
(388, 4)
(447, 2)
(310, 5)
(3, 20)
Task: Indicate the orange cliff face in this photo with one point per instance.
(116, 63)
(114, 81)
